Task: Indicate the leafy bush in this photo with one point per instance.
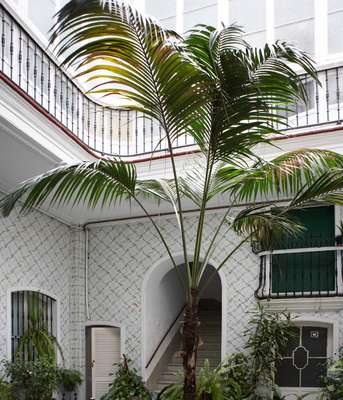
(226, 382)
(5, 390)
(268, 337)
(69, 379)
(33, 379)
(237, 377)
(127, 384)
(333, 382)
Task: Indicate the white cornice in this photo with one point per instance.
(305, 304)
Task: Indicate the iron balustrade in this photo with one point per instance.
(111, 131)
(300, 272)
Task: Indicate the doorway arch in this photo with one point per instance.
(162, 300)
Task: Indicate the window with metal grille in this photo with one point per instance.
(305, 362)
(22, 305)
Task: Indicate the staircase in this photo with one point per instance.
(210, 333)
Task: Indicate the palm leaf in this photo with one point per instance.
(98, 183)
(136, 57)
(281, 177)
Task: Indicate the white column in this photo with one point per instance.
(222, 13)
(270, 29)
(179, 16)
(268, 285)
(321, 28)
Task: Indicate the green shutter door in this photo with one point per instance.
(307, 272)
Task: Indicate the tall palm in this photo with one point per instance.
(214, 87)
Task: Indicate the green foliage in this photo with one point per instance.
(236, 376)
(229, 381)
(127, 384)
(268, 337)
(5, 390)
(333, 382)
(35, 379)
(69, 379)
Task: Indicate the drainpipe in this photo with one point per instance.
(86, 272)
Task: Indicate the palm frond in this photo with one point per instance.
(134, 57)
(103, 183)
(265, 225)
(281, 177)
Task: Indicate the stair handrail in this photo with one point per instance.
(165, 335)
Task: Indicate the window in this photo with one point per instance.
(305, 360)
(251, 15)
(200, 12)
(312, 271)
(294, 22)
(164, 12)
(22, 302)
(335, 26)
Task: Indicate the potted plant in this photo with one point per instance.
(339, 238)
(70, 379)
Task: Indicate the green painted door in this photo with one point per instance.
(307, 272)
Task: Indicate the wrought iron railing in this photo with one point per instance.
(300, 272)
(110, 131)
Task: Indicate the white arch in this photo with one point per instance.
(161, 268)
(9, 313)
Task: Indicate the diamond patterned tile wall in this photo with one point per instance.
(121, 255)
(36, 252)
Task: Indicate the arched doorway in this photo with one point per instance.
(163, 301)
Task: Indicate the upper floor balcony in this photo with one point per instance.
(28, 68)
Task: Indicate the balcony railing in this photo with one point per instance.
(301, 272)
(110, 131)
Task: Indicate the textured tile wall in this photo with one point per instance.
(36, 251)
(120, 256)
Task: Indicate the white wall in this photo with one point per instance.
(164, 298)
(36, 252)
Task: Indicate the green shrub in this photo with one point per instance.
(268, 337)
(5, 390)
(229, 381)
(33, 379)
(127, 384)
(69, 379)
(333, 382)
(236, 376)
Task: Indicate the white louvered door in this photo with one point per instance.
(105, 353)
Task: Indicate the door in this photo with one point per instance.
(105, 351)
(305, 360)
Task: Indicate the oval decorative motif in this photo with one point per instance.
(300, 357)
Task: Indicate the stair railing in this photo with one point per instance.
(164, 337)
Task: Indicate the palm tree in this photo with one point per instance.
(213, 86)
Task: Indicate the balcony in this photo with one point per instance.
(29, 69)
(300, 272)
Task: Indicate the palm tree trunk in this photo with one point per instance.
(190, 335)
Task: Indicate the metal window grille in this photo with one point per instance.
(22, 304)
